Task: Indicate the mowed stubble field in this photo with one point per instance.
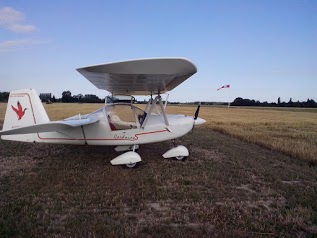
(231, 185)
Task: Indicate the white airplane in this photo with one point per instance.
(120, 124)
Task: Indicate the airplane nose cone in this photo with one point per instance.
(199, 121)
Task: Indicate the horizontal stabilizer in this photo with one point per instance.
(49, 126)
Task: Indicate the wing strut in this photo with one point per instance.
(152, 105)
(163, 110)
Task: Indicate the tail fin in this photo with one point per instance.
(24, 109)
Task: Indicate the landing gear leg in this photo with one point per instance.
(174, 143)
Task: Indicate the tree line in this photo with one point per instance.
(67, 97)
(79, 98)
(310, 103)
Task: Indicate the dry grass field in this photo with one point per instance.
(291, 131)
(228, 187)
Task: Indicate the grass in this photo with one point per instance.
(225, 188)
(3, 107)
(291, 131)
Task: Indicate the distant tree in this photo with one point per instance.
(91, 98)
(67, 96)
(297, 104)
(265, 104)
(244, 102)
(46, 97)
(278, 101)
(310, 103)
(237, 102)
(4, 96)
(283, 104)
(77, 98)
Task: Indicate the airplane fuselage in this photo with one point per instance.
(101, 133)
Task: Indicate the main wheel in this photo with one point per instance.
(132, 165)
(180, 157)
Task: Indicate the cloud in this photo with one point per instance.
(21, 28)
(11, 45)
(14, 21)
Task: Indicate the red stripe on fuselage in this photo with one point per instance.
(106, 139)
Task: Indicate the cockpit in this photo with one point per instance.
(124, 116)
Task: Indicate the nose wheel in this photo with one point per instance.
(179, 153)
(129, 159)
(131, 165)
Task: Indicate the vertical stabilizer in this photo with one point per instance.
(24, 109)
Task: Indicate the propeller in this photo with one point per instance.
(197, 112)
(198, 120)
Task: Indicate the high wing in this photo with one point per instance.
(49, 126)
(140, 77)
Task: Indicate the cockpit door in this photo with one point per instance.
(123, 117)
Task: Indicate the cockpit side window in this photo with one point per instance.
(123, 117)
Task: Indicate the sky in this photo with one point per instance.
(263, 49)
